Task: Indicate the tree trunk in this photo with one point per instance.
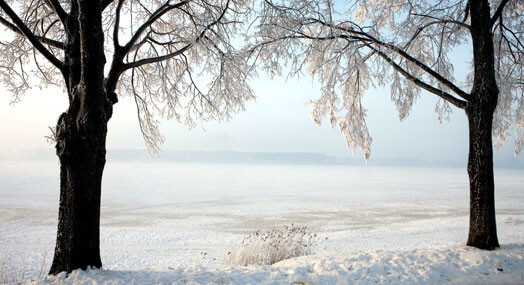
(81, 150)
(81, 138)
(482, 224)
(480, 109)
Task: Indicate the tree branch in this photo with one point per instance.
(30, 36)
(180, 51)
(117, 25)
(57, 8)
(519, 44)
(106, 3)
(443, 21)
(498, 13)
(189, 73)
(367, 37)
(466, 12)
(156, 59)
(44, 40)
(426, 68)
(444, 95)
(117, 65)
(152, 19)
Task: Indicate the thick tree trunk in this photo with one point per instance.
(482, 224)
(480, 109)
(81, 149)
(81, 138)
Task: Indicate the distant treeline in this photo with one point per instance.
(238, 157)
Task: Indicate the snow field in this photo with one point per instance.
(175, 223)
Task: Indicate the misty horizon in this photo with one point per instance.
(501, 160)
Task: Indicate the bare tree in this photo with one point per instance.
(157, 48)
(405, 44)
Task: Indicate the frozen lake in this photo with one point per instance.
(162, 214)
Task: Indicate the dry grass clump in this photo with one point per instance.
(266, 248)
(10, 274)
(14, 275)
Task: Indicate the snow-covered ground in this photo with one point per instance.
(174, 223)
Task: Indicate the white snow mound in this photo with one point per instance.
(461, 265)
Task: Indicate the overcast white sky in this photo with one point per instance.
(279, 121)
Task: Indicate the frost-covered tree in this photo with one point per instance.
(350, 46)
(156, 49)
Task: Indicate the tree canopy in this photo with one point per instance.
(177, 59)
(351, 46)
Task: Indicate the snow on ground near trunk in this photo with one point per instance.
(442, 266)
(175, 223)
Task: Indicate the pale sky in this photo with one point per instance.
(279, 121)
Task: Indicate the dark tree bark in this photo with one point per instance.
(81, 139)
(482, 224)
(480, 109)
